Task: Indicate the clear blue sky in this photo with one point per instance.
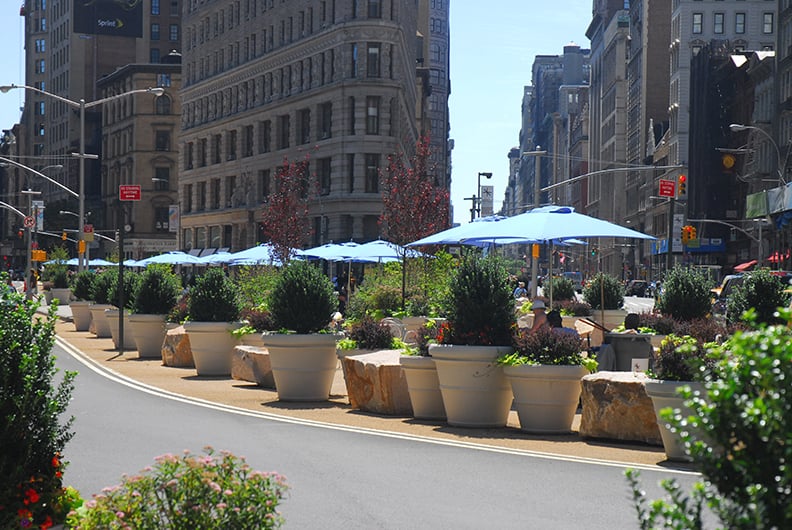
(493, 45)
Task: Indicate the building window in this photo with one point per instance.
(264, 179)
(173, 33)
(163, 80)
(351, 172)
(323, 174)
(214, 237)
(304, 123)
(216, 149)
(325, 120)
(372, 173)
(161, 219)
(155, 7)
(352, 115)
(247, 141)
(162, 140)
(354, 64)
(374, 8)
(154, 55)
(373, 60)
(372, 114)
(697, 22)
(162, 178)
(155, 32)
(231, 145)
(163, 105)
(201, 196)
(202, 152)
(718, 23)
(767, 23)
(41, 66)
(188, 156)
(265, 136)
(215, 198)
(284, 131)
(187, 199)
(229, 191)
(739, 23)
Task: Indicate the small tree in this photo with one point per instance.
(761, 291)
(415, 201)
(604, 291)
(285, 221)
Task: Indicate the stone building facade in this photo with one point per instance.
(266, 82)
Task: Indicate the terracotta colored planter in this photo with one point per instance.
(475, 391)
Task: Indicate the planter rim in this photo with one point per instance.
(463, 352)
(564, 370)
(147, 316)
(280, 339)
(663, 387)
(196, 325)
(416, 361)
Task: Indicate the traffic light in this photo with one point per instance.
(685, 235)
(681, 187)
(693, 234)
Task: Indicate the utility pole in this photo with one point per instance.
(537, 154)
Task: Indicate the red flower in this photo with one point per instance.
(55, 461)
(31, 496)
(46, 524)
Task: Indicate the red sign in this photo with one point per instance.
(667, 188)
(88, 229)
(129, 192)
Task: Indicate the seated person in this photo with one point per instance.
(520, 291)
(557, 324)
(540, 318)
(631, 322)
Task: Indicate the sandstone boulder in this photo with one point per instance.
(176, 350)
(250, 363)
(375, 383)
(616, 407)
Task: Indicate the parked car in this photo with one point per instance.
(577, 280)
(721, 293)
(636, 288)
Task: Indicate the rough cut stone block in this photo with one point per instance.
(616, 407)
(376, 383)
(176, 350)
(250, 363)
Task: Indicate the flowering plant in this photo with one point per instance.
(191, 491)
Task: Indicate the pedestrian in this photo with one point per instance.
(520, 291)
(556, 323)
(540, 317)
(32, 285)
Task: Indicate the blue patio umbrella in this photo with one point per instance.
(262, 254)
(330, 251)
(550, 223)
(216, 258)
(98, 262)
(380, 251)
(467, 234)
(171, 258)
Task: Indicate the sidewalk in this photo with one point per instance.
(242, 394)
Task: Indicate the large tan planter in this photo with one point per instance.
(411, 326)
(546, 396)
(212, 346)
(424, 387)
(81, 315)
(475, 391)
(303, 365)
(100, 324)
(149, 332)
(610, 318)
(129, 336)
(252, 339)
(63, 294)
(664, 394)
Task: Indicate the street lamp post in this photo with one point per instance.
(82, 105)
(488, 175)
(738, 127)
(537, 154)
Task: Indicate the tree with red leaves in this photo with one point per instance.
(415, 205)
(285, 221)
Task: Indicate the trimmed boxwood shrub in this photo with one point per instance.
(302, 299)
(761, 291)
(131, 280)
(100, 290)
(686, 294)
(157, 291)
(480, 306)
(563, 288)
(214, 298)
(604, 291)
(82, 283)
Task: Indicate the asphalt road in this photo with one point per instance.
(343, 477)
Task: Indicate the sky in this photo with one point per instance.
(493, 45)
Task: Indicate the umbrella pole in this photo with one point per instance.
(552, 266)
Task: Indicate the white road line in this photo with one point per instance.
(131, 383)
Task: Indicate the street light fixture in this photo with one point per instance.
(739, 127)
(82, 105)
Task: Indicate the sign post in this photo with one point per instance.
(126, 192)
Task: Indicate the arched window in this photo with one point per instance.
(163, 105)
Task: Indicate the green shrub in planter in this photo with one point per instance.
(480, 306)
(686, 294)
(82, 283)
(157, 291)
(562, 288)
(214, 298)
(32, 403)
(368, 334)
(131, 280)
(100, 290)
(761, 291)
(745, 445)
(302, 299)
(57, 272)
(604, 291)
